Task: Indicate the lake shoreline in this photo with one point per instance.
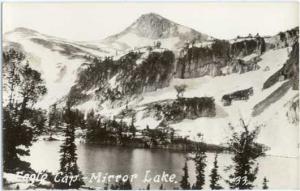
(183, 145)
(171, 147)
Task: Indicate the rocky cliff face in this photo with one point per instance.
(293, 110)
(283, 39)
(290, 70)
(220, 58)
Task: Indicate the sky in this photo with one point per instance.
(95, 21)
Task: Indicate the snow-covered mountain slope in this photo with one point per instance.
(150, 28)
(57, 59)
(274, 120)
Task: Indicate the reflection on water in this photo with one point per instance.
(282, 172)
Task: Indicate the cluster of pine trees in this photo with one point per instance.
(23, 86)
(245, 151)
(132, 78)
(22, 121)
(119, 186)
(55, 122)
(100, 130)
(67, 120)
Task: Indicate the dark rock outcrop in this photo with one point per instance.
(290, 70)
(154, 72)
(237, 95)
(282, 39)
(221, 55)
(293, 110)
(272, 98)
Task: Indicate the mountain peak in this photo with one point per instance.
(23, 29)
(151, 16)
(151, 27)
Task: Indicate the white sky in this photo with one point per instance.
(95, 21)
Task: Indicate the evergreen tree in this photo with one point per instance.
(12, 60)
(193, 187)
(113, 187)
(22, 87)
(31, 89)
(132, 127)
(79, 119)
(92, 126)
(214, 176)
(180, 89)
(105, 187)
(38, 119)
(15, 135)
(265, 184)
(161, 187)
(120, 185)
(172, 135)
(53, 120)
(245, 153)
(184, 183)
(127, 185)
(200, 163)
(263, 46)
(68, 160)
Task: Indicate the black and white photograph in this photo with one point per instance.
(150, 95)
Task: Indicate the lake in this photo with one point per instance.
(280, 171)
